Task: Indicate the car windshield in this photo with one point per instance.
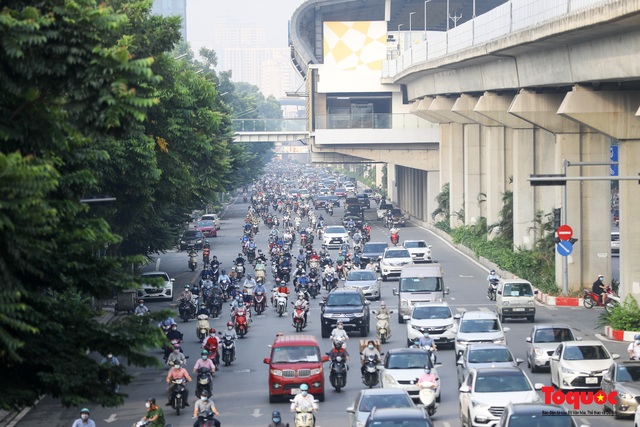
(162, 276)
(335, 230)
(361, 275)
(350, 299)
(627, 374)
(479, 325)
(554, 335)
(398, 254)
(374, 248)
(490, 355)
(518, 290)
(585, 352)
(368, 402)
(408, 361)
(420, 284)
(412, 245)
(540, 420)
(504, 382)
(400, 423)
(205, 224)
(191, 234)
(295, 354)
(420, 313)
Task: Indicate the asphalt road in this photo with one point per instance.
(241, 390)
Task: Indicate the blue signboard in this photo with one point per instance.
(564, 248)
(613, 150)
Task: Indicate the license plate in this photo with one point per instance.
(295, 391)
(591, 380)
(518, 309)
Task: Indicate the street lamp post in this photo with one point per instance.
(410, 33)
(425, 19)
(399, 25)
(447, 15)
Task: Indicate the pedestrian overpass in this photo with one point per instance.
(271, 130)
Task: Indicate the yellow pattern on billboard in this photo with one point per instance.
(355, 46)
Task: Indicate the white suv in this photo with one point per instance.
(419, 250)
(335, 236)
(392, 261)
(478, 327)
(433, 317)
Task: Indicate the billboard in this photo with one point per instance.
(355, 46)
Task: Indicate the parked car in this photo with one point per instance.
(543, 341)
(348, 305)
(379, 398)
(536, 415)
(477, 327)
(419, 250)
(403, 366)
(414, 417)
(623, 378)
(192, 239)
(485, 356)
(208, 228)
(365, 280)
(160, 287)
(392, 261)
(433, 317)
(486, 391)
(580, 364)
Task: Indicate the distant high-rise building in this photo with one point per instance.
(172, 8)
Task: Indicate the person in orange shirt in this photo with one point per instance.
(177, 372)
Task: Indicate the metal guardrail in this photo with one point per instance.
(371, 121)
(270, 125)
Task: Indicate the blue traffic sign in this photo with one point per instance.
(613, 156)
(565, 248)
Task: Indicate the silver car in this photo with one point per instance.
(379, 398)
(485, 356)
(623, 378)
(543, 341)
(366, 280)
(478, 327)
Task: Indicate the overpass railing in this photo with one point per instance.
(271, 125)
(515, 15)
(371, 121)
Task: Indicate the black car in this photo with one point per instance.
(372, 251)
(414, 417)
(364, 200)
(192, 239)
(334, 199)
(347, 305)
(536, 414)
(357, 219)
(320, 201)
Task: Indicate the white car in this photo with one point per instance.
(580, 364)
(403, 366)
(392, 261)
(419, 250)
(160, 289)
(486, 392)
(433, 317)
(478, 327)
(350, 186)
(212, 217)
(335, 236)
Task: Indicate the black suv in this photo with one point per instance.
(347, 305)
(372, 251)
(192, 239)
(364, 200)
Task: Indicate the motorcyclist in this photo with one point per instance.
(428, 341)
(427, 376)
(385, 311)
(339, 334)
(177, 372)
(214, 262)
(369, 350)
(351, 224)
(154, 415)
(249, 284)
(240, 259)
(205, 255)
(223, 276)
(357, 237)
(206, 274)
(338, 350)
(370, 266)
(300, 257)
(141, 309)
(634, 348)
(302, 303)
(395, 230)
(304, 401)
(203, 310)
(202, 405)
(174, 333)
(204, 362)
(598, 288)
(187, 296)
(176, 357)
(84, 420)
(211, 344)
(261, 258)
(230, 332)
(328, 269)
(492, 277)
(276, 420)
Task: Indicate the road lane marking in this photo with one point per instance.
(158, 264)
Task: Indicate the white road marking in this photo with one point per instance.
(461, 309)
(485, 309)
(158, 264)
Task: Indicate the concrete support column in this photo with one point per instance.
(473, 176)
(495, 169)
(445, 158)
(523, 193)
(433, 189)
(378, 172)
(456, 172)
(628, 155)
(392, 185)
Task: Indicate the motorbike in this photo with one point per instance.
(304, 417)
(228, 349)
(329, 210)
(203, 327)
(193, 263)
(491, 291)
(298, 317)
(330, 281)
(314, 288)
(239, 268)
(215, 304)
(206, 418)
(251, 255)
(314, 263)
(382, 326)
(177, 394)
(261, 274)
(260, 302)
(280, 303)
(241, 324)
(204, 381)
(215, 271)
(395, 238)
(340, 269)
(370, 375)
(591, 299)
(225, 285)
(186, 310)
(427, 396)
(338, 373)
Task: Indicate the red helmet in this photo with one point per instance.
(212, 330)
(229, 323)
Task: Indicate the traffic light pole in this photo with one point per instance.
(565, 259)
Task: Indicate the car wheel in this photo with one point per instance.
(363, 331)
(500, 318)
(384, 278)
(325, 333)
(321, 397)
(533, 367)
(273, 398)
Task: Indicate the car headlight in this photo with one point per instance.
(538, 351)
(389, 379)
(568, 371)
(505, 303)
(358, 314)
(316, 371)
(199, 241)
(182, 242)
(530, 303)
(446, 328)
(462, 342)
(417, 328)
(327, 316)
(625, 396)
(479, 405)
(499, 341)
(276, 372)
(404, 303)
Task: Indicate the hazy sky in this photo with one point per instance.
(272, 15)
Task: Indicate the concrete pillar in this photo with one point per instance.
(473, 175)
(613, 113)
(445, 158)
(523, 193)
(495, 167)
(378, 172)
(392, 187)
(456, 173)
(433, 189)
(544, 164)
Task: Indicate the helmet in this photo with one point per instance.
(278, 279)
(85, 411)
(224, 271)
(229, 323)
(204, 353)
(304, 387)
(240, 254)
(204, 393)
(275, 414)
(141, 301)
(636, 337)
(212, 330)
(186, 286)
(300, 294)
(339, 322)
(492, 272)
(152, 400)
(600, 276)
(203, 305)
(301, 251)
(248, 276)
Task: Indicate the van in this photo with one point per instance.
(419, 283)
(295, 360)
(515, 298)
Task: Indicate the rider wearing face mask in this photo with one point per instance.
(369, 350)
(205, 404)
(84, 420)
(155, 414)
(339, 333)
(276, 420)
(204, 362)
(304, 400)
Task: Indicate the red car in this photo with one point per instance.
(340, 192)
(208, 228)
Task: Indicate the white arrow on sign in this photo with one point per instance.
(256, 413)
(111, 418)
